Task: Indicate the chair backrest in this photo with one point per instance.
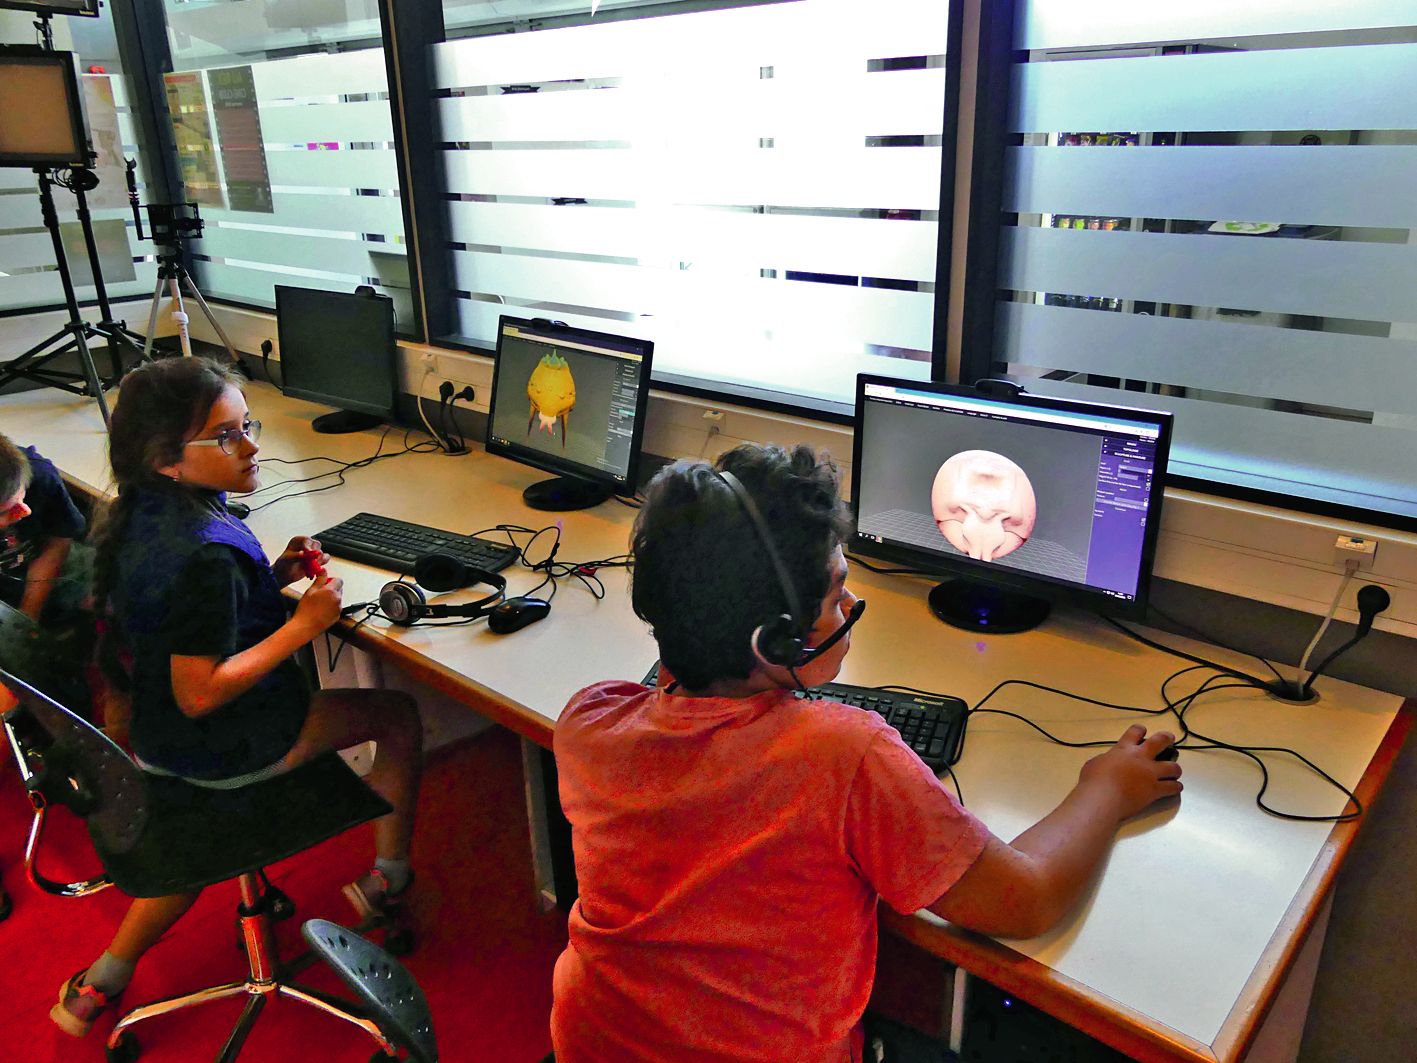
(85, 770)
(394, 1000)
(51, 660)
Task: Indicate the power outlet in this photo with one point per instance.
(429, 361)
(1350, 548)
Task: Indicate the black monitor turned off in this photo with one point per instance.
(570, 401)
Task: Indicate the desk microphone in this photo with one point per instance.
(1372, 600)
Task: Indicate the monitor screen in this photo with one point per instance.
(569, 400)
(1050, 497)
(337, 348)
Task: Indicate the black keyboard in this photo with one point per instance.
(932, 726)
(395, 544)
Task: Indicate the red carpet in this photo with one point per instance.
(484, 956)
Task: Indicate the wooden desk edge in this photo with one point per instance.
(1131, 1032)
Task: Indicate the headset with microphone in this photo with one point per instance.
(405, 603)
(781, 641)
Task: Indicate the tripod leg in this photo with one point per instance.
(152, 318)
(216, 325)
(91, 375)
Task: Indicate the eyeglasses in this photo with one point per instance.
(228, 438)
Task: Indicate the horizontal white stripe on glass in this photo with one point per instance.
(1350, 185)
(345, 214)
(39, 289)
(323, 123)
(871, 247)
(759, 306)
(253, 285)
(1360, 87)
(333, 254)
(1328, 278)
(891, 178)
(1359, 464)
(321, 74)
(737, 107)
(1362, 373)
(1069, 24)
(704, 41)
(374, 168)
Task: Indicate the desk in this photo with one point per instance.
(1182, 948)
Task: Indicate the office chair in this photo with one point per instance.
(51, 661)
(389, 993)
(156, 835)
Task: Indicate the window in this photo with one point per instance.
(756, 189)
(1210, 206)
(285, 137)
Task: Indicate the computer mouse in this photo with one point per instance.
(1169, 753)
(515, 614)
(239, 510)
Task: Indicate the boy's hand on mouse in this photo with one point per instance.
(1132, 773)
(301, 558)
(319, 606)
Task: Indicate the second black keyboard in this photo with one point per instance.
(383, 542)
(933, 726)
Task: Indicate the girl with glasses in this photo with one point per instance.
(197, 611)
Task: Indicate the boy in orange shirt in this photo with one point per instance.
(731, 841)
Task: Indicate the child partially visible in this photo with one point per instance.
(39, 524)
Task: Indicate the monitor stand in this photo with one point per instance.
(565, 492)
(342, 421)
(977, 606)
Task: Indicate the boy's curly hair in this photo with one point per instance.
(702, 578)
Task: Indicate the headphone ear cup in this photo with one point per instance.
(440, 572)
(776, 642)
(402, 603)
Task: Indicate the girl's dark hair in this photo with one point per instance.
(159, 405)
(702, 578)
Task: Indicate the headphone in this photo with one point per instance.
(780, 641)
(405, 604)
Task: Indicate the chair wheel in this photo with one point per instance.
(379, 1057)
(125, 1051)
(398, 941)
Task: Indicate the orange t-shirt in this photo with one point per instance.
(730, 853)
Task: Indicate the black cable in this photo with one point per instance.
(634, 502)
(955, 779)
(1138, 637)
(1207, 637)
(342, 467)
(855, 560)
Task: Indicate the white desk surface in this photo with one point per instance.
(1179, 937)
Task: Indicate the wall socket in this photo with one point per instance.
(1350, 548)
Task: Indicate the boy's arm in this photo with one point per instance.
(41, 574)
(1023, 889)
(202, 685)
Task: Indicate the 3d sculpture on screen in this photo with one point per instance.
(552, 391)
(983, 504)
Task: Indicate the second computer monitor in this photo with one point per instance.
(1024, 499)
(570, 401)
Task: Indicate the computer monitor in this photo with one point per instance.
(572, 402)
(337, 348)
(1023, 500)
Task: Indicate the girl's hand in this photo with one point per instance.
(293, 561)
(320, 605)
(1132, 773)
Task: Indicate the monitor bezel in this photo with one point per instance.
(325, 398)
(89, 8)
(547, 462)
(1057, 591)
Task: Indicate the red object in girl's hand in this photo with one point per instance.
(310, 559)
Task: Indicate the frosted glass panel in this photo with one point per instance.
(754, 175)
(1211, 211)
(1360, 87)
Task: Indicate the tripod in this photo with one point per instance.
(34, 364)
(171, 272)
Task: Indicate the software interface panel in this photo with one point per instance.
(566, 399)
(1059, 495)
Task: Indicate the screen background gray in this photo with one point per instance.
(594, 376)
(904, 446)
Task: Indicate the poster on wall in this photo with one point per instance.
(238, 126)
(192, 131)
(112, 190)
